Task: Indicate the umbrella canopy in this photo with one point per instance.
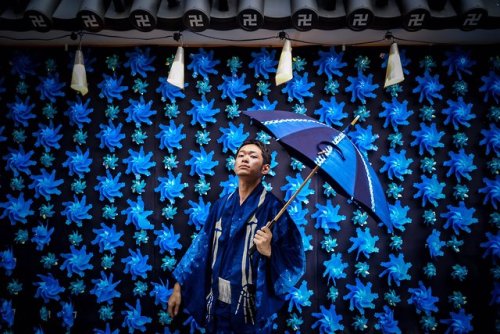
(341, 163)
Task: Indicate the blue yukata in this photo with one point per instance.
(223, 287)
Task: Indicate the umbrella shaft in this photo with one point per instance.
(283, 209)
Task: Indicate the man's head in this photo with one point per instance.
(253, 157)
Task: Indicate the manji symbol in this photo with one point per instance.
(360, 20)
(38, 21)
(249, 20)
(472, 19)
(304, 20)
(90, 21)
(142, 20)
(196, 20)
(416, 20)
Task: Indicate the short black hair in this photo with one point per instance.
(266, 155)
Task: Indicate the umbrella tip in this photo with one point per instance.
(355, 120)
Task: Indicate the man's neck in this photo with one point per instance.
(245, 188)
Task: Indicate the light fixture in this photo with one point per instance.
(176, 74)
(79, 75)
(394, 72)
(284, 73)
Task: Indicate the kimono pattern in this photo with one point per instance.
(271, 278)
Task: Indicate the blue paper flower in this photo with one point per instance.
(203, 112)
(105, 289)
(137, 215)
(434, 244)
(428, 138)
(490, 86)
(396, 269)
(364, 242)
(161, 292)
(50, 88)
(396, 113)
(78, 162)
(430, 190)
(330, 63)
(167, 239)
(492, 246)
(48, 288)
(67, 315)
(171, 187)
(171, 136)
(293, 184)
(133, 319)
(77, 261)
(423, 299)
(364, 139)
(7, 312)
(428, 87)
(16, 209)
(263, 63)
(459, 62)
(20, 111)
(78, 112)
(396, 164)
(110, 136)
(22, 65)
(360, 296)
(331, 112)
(140, 62)
(48, 136)
(19, 161)
(398, 217)
(139, 163)
(334, 268)
(232, 137)
(137, 264)
(108, 238)
(233, 87)
(111, 88)
(76, 211)
(197, 213)
(78, 186)
(459, 218)
(8, 261)
(139, 111)
(327, 217)
(460, 165)
(45, 184)
(265, 104)
(458, 323)
(328, 320)
(386, 323)
(41, 236)
(458, 113)
(361, 87)
(298, 88)
(202, 63)
(168, 91)
(299, 297)
(491, 138)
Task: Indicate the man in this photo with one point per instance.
(224, 287)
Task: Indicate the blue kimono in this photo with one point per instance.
(218, 266)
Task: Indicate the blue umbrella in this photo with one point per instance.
(330, 153)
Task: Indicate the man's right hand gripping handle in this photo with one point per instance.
(174, 302)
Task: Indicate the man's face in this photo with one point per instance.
(249, 162)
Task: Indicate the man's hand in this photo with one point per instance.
(262, 241)
(174, 302)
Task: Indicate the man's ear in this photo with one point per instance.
(265, 169)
